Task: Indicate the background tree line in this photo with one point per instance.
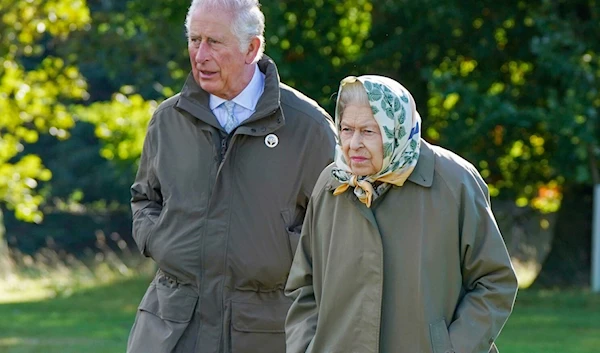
(512, 86)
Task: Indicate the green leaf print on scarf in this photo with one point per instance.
(388, 132)
(402, 116)
(388, 148)
(397, 104)
(401, 132)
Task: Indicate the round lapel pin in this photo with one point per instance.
(271, 140)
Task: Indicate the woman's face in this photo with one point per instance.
(361, 140)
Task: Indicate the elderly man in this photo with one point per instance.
(220, 195)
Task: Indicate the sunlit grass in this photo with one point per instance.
(58, 303)
(91, 320)
(22, 288)
(50, 274)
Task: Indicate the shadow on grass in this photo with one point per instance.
(90, 320)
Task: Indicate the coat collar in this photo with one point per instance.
(423, 172)
(194, 100)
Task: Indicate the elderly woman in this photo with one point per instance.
(399, 251)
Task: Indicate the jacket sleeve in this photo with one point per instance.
(146, 197)
(320, 154)
(488, 277)
(301, 321)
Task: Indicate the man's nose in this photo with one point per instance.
(202, 53)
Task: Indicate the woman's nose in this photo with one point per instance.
(356, 141)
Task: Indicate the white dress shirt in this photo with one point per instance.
(245, 102)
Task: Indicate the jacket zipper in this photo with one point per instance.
(224, 147)
(225, 141)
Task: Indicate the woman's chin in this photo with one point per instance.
(362, 171)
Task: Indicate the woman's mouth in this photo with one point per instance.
(358, 159)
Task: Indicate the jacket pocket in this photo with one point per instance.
(293, 231)
(163, 316)
(143, 226)
(440, 338)
(258, 328)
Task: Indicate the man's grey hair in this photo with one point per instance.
(248, 20)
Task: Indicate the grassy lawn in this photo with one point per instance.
(553, 322)
(95, 320)
(98, 320)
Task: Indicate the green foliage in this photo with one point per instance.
(35, 88)
(121, 124)
(313, 51)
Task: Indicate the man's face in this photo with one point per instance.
(218, 65)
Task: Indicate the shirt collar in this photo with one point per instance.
(249, 97)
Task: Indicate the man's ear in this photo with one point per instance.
(252, 51)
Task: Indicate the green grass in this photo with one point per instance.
(553, 322)
(94, 320)
(98, 320)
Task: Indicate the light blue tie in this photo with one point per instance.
(231, 123)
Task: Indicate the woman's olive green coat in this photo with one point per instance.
(424, 270)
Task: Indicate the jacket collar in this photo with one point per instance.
(267, 118)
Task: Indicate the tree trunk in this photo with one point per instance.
(591, 148)
(6, 264)
(528, 234)
(568, 263)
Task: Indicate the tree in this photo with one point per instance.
(35, 88)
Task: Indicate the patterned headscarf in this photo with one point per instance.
(395, 111)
